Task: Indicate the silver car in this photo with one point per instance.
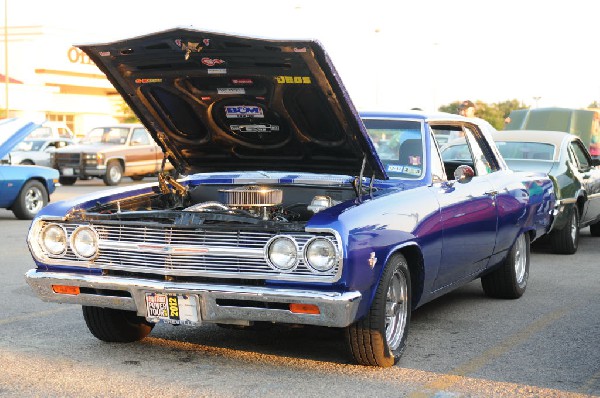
(37, 151)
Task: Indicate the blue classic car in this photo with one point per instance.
(23, 189)
(295, 208)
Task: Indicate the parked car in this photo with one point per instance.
(37, 151)
(575, 174)
(584, 123)
(51, 130)
(23, 189)
(304, 224)
(110, 153)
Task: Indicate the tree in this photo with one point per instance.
(126, 115)
(495, 113)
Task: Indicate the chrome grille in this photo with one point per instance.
(67, 159)
(200, 252)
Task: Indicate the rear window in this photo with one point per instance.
(526, 150)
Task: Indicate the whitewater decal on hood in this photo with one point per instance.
(293, 79)
(254, 128)
(232, 91)
(212, 61)
(242, 111)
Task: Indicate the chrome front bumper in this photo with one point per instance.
(218, 303)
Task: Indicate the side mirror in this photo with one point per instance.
(464, 174)
(595, 162)
(136, 141)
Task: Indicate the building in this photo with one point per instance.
(50, 78)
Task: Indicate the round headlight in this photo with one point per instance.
(282, 253)
(84, 242)
(54, 239)
(320, 254)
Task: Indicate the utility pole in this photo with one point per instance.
(6, 78)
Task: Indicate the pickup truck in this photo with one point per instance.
(110, 153)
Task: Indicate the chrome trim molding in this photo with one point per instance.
(337, 309)
(170, 250)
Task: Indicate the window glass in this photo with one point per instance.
(29, 146)
(41, 132)
(437, 167)
(107, 135)
(399, 144)
(140, 137)
(581, 156)
(526, 150)
(480, 160)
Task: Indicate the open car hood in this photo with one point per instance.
(13, 131)
(217, 102)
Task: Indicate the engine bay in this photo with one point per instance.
(268, 204)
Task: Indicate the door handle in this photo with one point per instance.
(491, 193)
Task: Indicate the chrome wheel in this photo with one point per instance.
(34, 200)
(115, 174)
(520, 258)
(574, 227)
(396, 310)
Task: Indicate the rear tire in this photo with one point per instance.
(32, 198)
(509, 281)
(566, 240)
(116, 326)
(114, 173)
(379, 339)
(595, 229)
(67, 180)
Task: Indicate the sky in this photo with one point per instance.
(390, 54)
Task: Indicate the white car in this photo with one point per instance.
(37, 151)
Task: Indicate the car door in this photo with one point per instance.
(468, 214)
(141, 154)
(589, 178)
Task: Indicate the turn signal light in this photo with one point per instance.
(62, 289)
(298, 308)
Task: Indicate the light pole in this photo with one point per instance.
(6, 78)
(536, 99)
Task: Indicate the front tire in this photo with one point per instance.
(31, 199)
(116, 326)
(67, 180)
(379, 339)
(509, 281)
(114, 173)
(566, 240)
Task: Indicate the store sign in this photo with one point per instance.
(76, 56)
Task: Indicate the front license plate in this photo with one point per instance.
(178, 309)
(67, 171)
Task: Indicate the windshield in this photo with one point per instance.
(29, 146)
(41, 132)
(107, 135)
(526, 150)
(399, 145)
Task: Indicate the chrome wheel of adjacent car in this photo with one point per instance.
(379, 338)
(566, 240)
(32, 198)
(114, 173)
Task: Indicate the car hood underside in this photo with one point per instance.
(218, 102)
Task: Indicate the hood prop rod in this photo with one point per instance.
(358, 185)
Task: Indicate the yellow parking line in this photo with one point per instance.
(587, 387)
(31, 316)
(454, 376)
